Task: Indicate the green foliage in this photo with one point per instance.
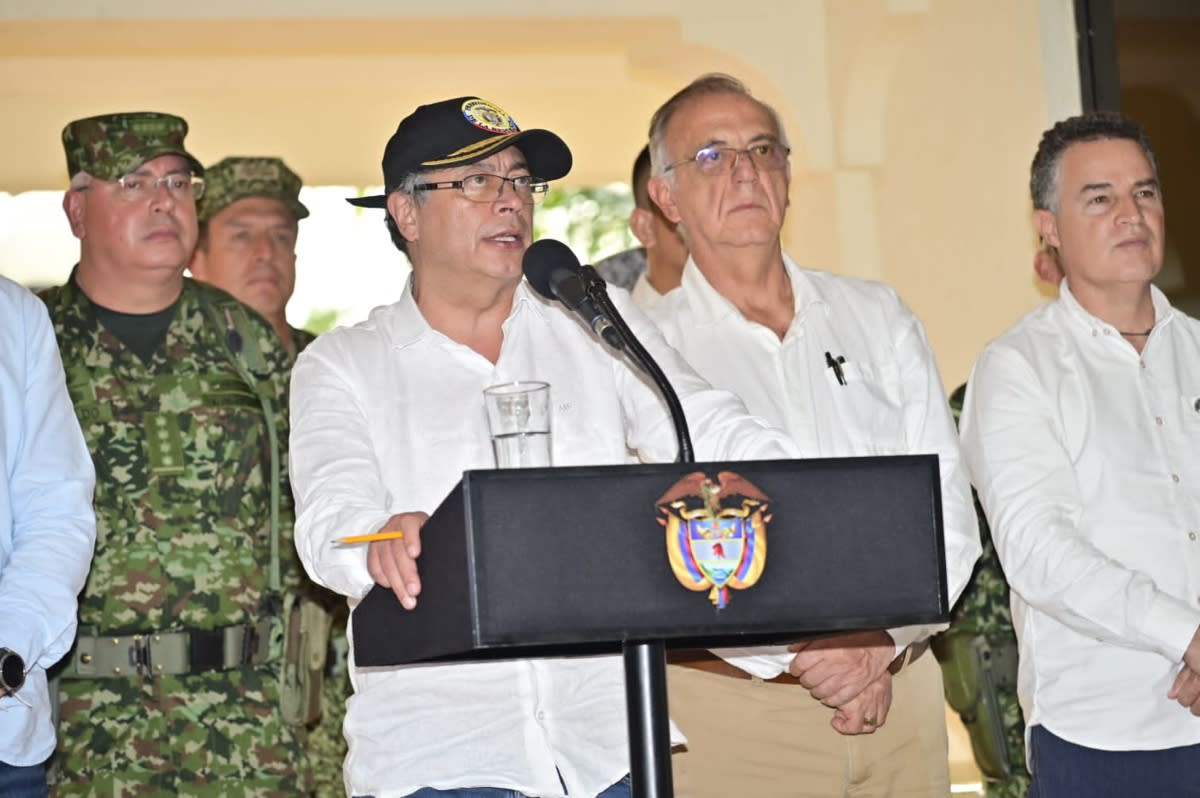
(320, 321)
(593, 221)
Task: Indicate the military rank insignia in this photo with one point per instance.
(716, 533)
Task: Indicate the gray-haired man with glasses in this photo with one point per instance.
(176, 679)
(843, 366)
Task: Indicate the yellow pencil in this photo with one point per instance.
(385, 535)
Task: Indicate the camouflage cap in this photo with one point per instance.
(235, 178)
(113, 145)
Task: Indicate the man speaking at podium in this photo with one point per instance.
(386, 415)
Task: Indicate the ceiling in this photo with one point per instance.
(325, 94)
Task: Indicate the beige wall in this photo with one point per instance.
(914, 120)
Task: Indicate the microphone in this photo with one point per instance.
(554, 272)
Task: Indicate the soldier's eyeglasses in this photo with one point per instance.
(136, 187)
(488, 188)
(767, 156)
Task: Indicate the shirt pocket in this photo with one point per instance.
(868, 406)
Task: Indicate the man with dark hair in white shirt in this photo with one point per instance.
(1080, 430)
(387, 415)
(844, 367)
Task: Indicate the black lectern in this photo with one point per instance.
(560, 561)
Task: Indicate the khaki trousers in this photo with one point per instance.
(750, 738)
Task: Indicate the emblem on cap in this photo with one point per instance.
(716, 533)
(485, 116)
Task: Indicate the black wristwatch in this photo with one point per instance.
(12, 671)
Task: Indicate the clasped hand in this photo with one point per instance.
(849, 673)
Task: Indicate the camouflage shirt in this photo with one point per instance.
(983, 610)
(183, 517)
(301, 338)
(984, 605)
(183, 467)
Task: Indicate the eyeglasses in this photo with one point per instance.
(181, 186)
(488, 188)
(767, 156)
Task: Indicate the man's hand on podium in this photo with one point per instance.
(836, 669)
(393, 563)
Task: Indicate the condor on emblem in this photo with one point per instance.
(716, 533)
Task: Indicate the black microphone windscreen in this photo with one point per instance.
(542, 259)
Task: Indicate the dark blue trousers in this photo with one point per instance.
(1063, 769)
(22, 781)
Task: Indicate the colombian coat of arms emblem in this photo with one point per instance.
(716, 533)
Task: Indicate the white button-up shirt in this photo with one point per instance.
(47, 528)
(644, 295)
(1084, 455)
(386, 416)
(891, 403)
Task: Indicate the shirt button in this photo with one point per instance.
(1191, 535)
(1158, 420)
(1142, 363)
(1174, 477)
(1196, 405)
(1094, 333)
(540, 714)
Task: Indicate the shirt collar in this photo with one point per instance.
(707, 306)
(1163, 311)
(408, 324)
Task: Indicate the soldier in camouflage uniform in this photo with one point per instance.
(249, 220)
(178, 683)
(981, 638)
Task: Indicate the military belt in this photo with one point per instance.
(178, 653)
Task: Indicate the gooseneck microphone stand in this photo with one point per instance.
(645, 660)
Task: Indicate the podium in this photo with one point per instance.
(576, 560)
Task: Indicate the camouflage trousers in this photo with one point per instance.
(326, 743)
(202, 736)
(1017, 785)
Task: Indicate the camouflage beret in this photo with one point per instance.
(113, 145)
(232, 179)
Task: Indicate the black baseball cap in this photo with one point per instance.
(458, 132)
